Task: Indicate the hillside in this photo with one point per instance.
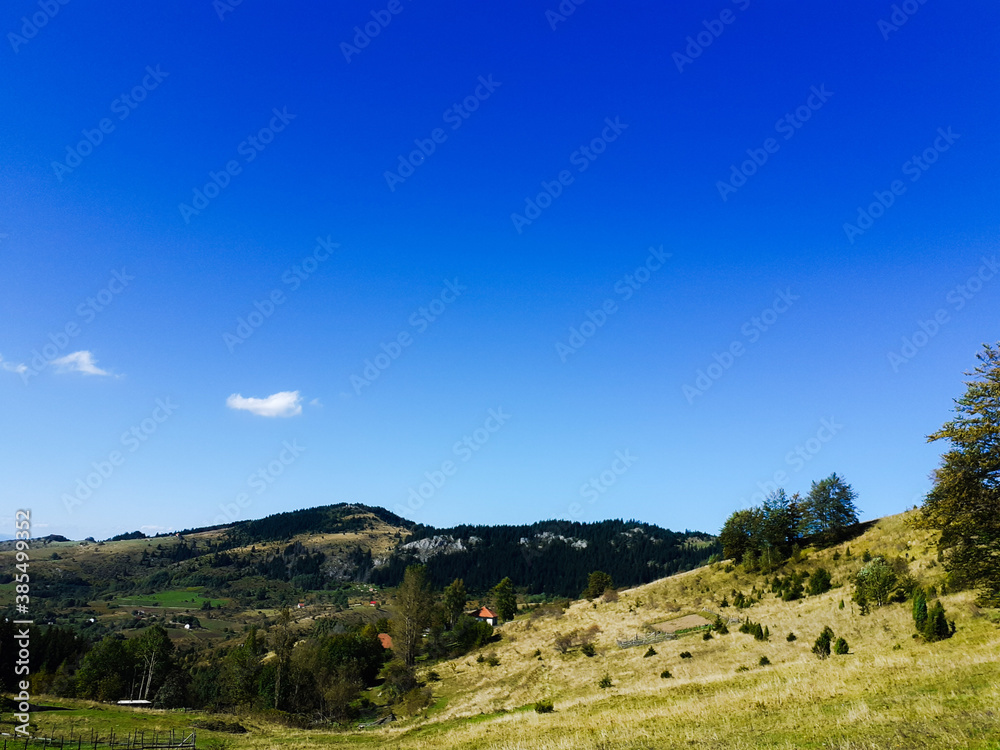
(891, 690)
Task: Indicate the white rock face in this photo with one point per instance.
(546, 538)
(424, 549)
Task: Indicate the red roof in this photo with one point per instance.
(486, 612)
(385, 639)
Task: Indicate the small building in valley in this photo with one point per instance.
(487, 615)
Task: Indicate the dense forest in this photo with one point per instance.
(551, 557)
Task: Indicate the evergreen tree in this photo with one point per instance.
(505, 600)
(919, 610)
(964, 503)
(936, 628)
(822, 646)
(597, 583)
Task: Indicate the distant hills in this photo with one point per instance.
(323, 547)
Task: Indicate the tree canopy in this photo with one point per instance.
(964, 503)
(829, 508)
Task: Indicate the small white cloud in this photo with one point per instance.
(282, 404)
(11, 367)
(317, 403)
(82, 361)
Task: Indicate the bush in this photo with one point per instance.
(822, 646)
(544, 707)
(665, 674)
(685, 654)
(719, 626)
(820, 582)
(605, 682)
(588, 649)
(937, 627)
(840, 647)
(493, 660)
(433, 676)
(742, 669)
(538, 653)
(790, 637)
(649, 652)
(707, 635)
(764, 661)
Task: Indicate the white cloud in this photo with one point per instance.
(11, 367)
(317, 403)
(282, 404)
(82, 361)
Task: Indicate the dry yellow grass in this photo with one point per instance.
(890, 691)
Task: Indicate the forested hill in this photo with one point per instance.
(341, 518)
(552, 557)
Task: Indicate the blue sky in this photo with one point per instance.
(634, 262)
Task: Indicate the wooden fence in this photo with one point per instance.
(140, 739)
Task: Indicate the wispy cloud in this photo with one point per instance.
(281, 404)
(82, 361)
(11, 367)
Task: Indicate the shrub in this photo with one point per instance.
(937, 627)
(544, 707)
(605, 682)
(764, 661)
(820, 582)
(493, 660)
(685, 654)
(588, 649)
(649, 652)
(480, 659)
(840, 647)
(719, 626)
(707, 635)
(538, 653)
(822, 646)
(742, 668)
(790, 637)
(665, 674)
(433, 676)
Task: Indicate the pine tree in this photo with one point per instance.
(964, 503)
(936, 628)
(505, 599)
(822, 646)
(919, 610)
(829, 508)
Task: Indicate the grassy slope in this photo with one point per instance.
(916, 696)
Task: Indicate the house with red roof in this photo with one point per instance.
(487, 615)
